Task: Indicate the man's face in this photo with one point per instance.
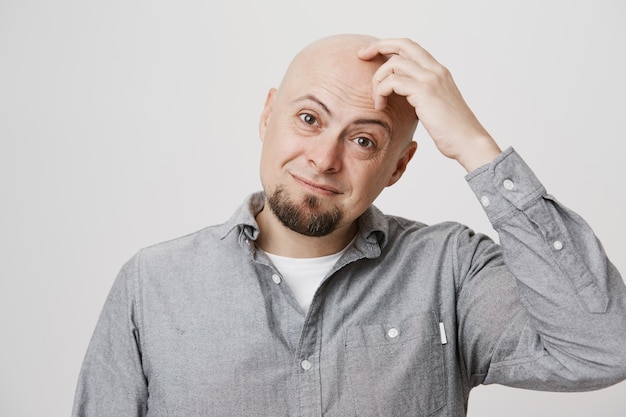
(327, 153)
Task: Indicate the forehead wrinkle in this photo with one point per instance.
(348, 91)
(311, 97)
(321, 85)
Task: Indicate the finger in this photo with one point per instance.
(399, 70)
(400, 85)
(402, 47)
(380, 101)
(403, 66)
(368, 52)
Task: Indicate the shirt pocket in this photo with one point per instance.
(396, 369)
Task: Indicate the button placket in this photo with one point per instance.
(309, 377)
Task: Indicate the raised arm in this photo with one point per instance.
(553, 317)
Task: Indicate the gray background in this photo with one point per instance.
(126, 123)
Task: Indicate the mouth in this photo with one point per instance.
(322, 189)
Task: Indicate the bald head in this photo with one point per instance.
(334, 52)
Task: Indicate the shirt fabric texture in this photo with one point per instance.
(197, 326)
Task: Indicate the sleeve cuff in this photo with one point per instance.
(504, 186)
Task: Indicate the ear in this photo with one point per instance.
(402, 163)
(267, 111)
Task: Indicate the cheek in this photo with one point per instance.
(376, 180)
(280, 140)
(368, 184)
(276, 153)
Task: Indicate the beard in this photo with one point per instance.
(307, 218)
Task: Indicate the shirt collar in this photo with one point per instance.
(370, 239)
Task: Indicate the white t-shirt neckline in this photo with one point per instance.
(303, 276)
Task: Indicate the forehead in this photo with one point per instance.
(333, 64)
(338, 79)
(333, 91)
(345, 71)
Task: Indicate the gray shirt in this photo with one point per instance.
(409, 319)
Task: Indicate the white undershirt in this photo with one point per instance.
(304, 275)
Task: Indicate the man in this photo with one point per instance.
(309, 301)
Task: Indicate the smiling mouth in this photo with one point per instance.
(316, 188)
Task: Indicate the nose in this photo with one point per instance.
(325, 153)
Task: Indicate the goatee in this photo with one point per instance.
(306, 218)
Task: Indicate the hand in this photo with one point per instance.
(412, 72)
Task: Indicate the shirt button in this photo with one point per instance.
(306, 365)
(558, 245)
(393, 333)
(484, 200)
(276, 278)
(508, 184)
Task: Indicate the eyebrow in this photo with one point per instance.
(314, 99)
(378, 122)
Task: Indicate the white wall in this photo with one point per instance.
(125, 123)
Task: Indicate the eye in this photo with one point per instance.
(364, 142)
(308, 119)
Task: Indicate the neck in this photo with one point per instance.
(276, 238)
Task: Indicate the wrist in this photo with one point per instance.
(480, 152)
